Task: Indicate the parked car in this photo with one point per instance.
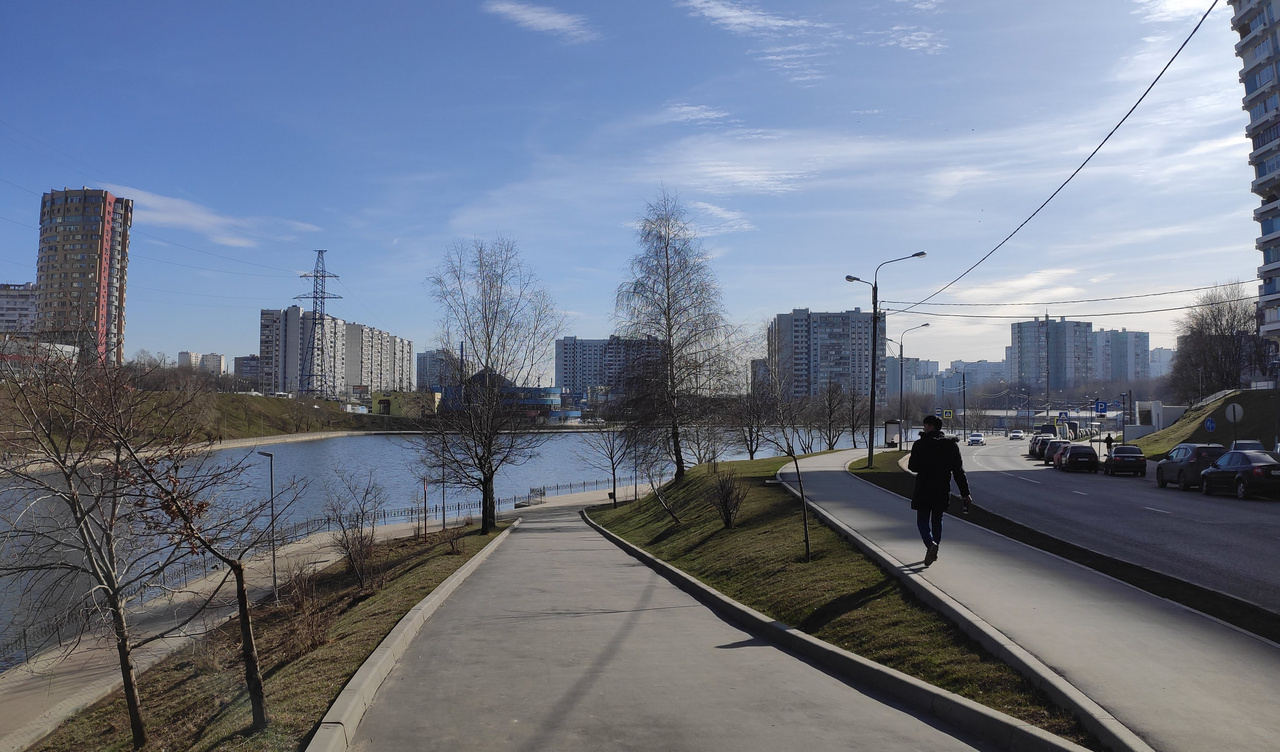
(1246, 445)
(1052, 448)
(1184, 464)
(1245, 473)
(1015, 434)
(1043, 446)
(1079, 457)
(1125, 458)
(977, 439)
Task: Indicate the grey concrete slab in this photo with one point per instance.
(561, 641)
(1180, 680)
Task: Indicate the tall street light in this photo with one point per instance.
(902, 361)
(271, 473)
(875, 336)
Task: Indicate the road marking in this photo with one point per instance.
(1161, 511)
(1082, 493)
(1019, 477)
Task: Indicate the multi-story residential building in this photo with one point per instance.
(284, 339)
(212, 363)
(1060, 351)
(81, 270)
(812, 350)
(978, 372)
(378, 361)
(1161, 362)
(589, 366)
(436, 368)
(1256, 23)
(248, 368)
(1121, 355)
(17, 308)
(187, 359)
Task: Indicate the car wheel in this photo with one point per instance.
(1204, 488)
(1160, 481)
(1183, 485)
(1242, 490)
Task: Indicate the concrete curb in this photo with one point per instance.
(339, 724)
(990, 725)
(1111, 732)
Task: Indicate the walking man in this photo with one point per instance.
(935, 459)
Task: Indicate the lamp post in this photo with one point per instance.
(875, 336)
(902, 362)
(271, 474)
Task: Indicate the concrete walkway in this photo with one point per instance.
(560, 641)
(1182, 681)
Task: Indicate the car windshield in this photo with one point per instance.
(1126, 450)
(1262, 458)
(1083, 451)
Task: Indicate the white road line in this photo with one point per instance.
(1161, 511)
(1082, 493)
(1019, 477)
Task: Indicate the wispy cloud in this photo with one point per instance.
(179, 213)
(908, 38)
(799, 61)
(571, 28)
(717, 220)
(923, 4)
(1169, 10)
(680, 112)
(741, 18)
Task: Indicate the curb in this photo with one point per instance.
(339, 724)
(1110, 731)
(990, 725)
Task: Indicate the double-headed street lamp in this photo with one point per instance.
(902, 361)
(271, 474)
(875, 337)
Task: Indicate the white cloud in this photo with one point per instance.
(167, 211)
(913, 38)
(923, 4)
(1170, 10)
(740, 18)
(570, 28)
(800, 62)
(720, 220)
(680, 112)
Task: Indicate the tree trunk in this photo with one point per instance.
(488, 506)
(675, 449)
(804, 506)
(128, 675)
(249, 650)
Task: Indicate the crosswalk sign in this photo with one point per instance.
(948, 414)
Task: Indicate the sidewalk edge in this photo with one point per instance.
(1102, 724)
(960, 712)
(339, 724)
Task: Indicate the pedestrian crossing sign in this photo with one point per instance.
(948, 414)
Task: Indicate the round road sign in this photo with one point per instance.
(1234, 413)
(1209, 425)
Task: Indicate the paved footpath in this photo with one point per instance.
(560, 641)
(1182, 681)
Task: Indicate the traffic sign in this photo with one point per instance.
(937, 411)
(1061, 421)
(1209, 425)
(1100, 407)
(1063, 414)
(1234, 413)
(948, 414)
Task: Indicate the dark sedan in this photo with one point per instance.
(1052, 448)
(1079, 457)
(1125, 458)
(1244, 473)
(1184, 464)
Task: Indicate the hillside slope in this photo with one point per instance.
(1261, 421)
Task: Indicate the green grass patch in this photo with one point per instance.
(1261, 421)
(840, 596)
(195, 699)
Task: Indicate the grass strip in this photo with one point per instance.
(1234, 611)
(309, 647)
(839, 596)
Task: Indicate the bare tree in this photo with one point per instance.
(749, 414)
(672, 298)
(503, 324)
(727, 494)
(353, 503)
(607, 449)
(651, 459)
(787, 428)
(1218, 344)
(84, 528)
(829, 413)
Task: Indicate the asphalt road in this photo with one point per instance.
(1217, 542)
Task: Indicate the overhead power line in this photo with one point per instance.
(1090, 315)
(1086, 161)
(1068, 302)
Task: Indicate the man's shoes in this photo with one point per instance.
(965, 510)
(931, 555)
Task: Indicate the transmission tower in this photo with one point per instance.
(313, 373)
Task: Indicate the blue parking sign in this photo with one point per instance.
(1100, 407)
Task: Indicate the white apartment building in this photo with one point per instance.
(1161, 361)
(811, 350)
(378, 360)
(587, 365)
(17, 308)
(1060, 351)
(345, 356)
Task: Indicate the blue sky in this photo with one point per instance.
(810, 139)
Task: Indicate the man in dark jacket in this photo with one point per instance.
(935, 459)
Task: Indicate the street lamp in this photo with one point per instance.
(902, 361)
(271, 473)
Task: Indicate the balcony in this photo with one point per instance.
(1243, 9)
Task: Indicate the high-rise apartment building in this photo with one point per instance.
(18, 308)
(811, 350)
(378, 360)
(81, 270)
(1161, 361)
(1256, 23)
(1121, 355)
(436, 368)
(585, 366)
(352, 355)
(248, 368)
(1060, 351)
